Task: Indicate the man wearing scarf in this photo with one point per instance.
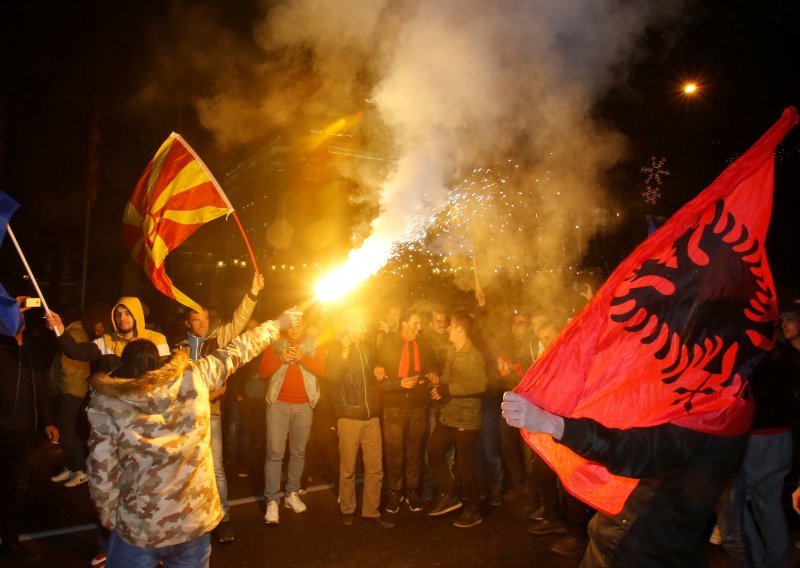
(402, 365)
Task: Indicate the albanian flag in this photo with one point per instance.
(175, 196)
(675, 331)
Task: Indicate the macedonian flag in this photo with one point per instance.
(174, 197)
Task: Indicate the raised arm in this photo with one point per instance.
(215, 368)
(242, 314)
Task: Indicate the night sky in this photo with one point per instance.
(69, 65)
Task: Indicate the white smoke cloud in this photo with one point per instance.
(446, 86)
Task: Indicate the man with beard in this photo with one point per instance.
(127, 315)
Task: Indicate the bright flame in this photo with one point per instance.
(690, 88)
(361, 264)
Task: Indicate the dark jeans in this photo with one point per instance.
(442, 439)
(730, 511)
(15, 455)
(403, 431)
(322, 455)
(69, 408)
(511, 447)
(488, 459)
(547, 482)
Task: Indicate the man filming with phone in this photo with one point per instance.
(292, 364)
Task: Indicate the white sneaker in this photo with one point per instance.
(292, 501)
(272, 516)
(78, 478)
(63, 476)
(716, 536)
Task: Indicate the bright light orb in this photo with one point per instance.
(690, 88)
(360, 265)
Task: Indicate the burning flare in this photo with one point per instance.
(360, 265)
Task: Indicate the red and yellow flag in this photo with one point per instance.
(174, 197)
(675, 331)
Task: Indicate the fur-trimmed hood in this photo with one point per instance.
(148, 389)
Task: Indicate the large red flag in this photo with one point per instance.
(675, 331)
(174, 197)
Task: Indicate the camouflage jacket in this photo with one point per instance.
(150, 469)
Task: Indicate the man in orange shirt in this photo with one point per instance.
(292, 364)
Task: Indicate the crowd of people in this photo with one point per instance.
(415, 390)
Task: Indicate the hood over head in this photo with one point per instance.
(134, 305)
(140, 391)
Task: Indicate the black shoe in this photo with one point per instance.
(224, 532)
(380, 522)
(568, 545)
(447, 502)
(414, 502)
(546, 526)
(469, 518)
(393, 501)
(348, 519)
(18, 552)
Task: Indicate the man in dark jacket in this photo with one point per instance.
(354, 392)
(402, 365)
(24, 405)
(681, 476)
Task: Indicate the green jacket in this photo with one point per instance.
(465, 375)
(71, 376)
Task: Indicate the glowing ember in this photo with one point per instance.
(361, 264)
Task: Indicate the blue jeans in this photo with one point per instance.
(219, 466)
(292, 421)
(191, 554)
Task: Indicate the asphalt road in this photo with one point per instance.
(59, 523)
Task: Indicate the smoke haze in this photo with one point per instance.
(441, 88)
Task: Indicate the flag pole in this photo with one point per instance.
(30, 272)
(246, 241)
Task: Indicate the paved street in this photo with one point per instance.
(311, 539)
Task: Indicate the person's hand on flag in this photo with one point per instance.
(53, 321)
(519, 413)
(258, 284)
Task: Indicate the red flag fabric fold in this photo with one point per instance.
(675, 331)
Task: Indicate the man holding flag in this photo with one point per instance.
(641, 405)
(199, 343)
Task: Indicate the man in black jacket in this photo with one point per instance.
(351, 373)
(682, 474)
(24, 405)
(402, 368)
